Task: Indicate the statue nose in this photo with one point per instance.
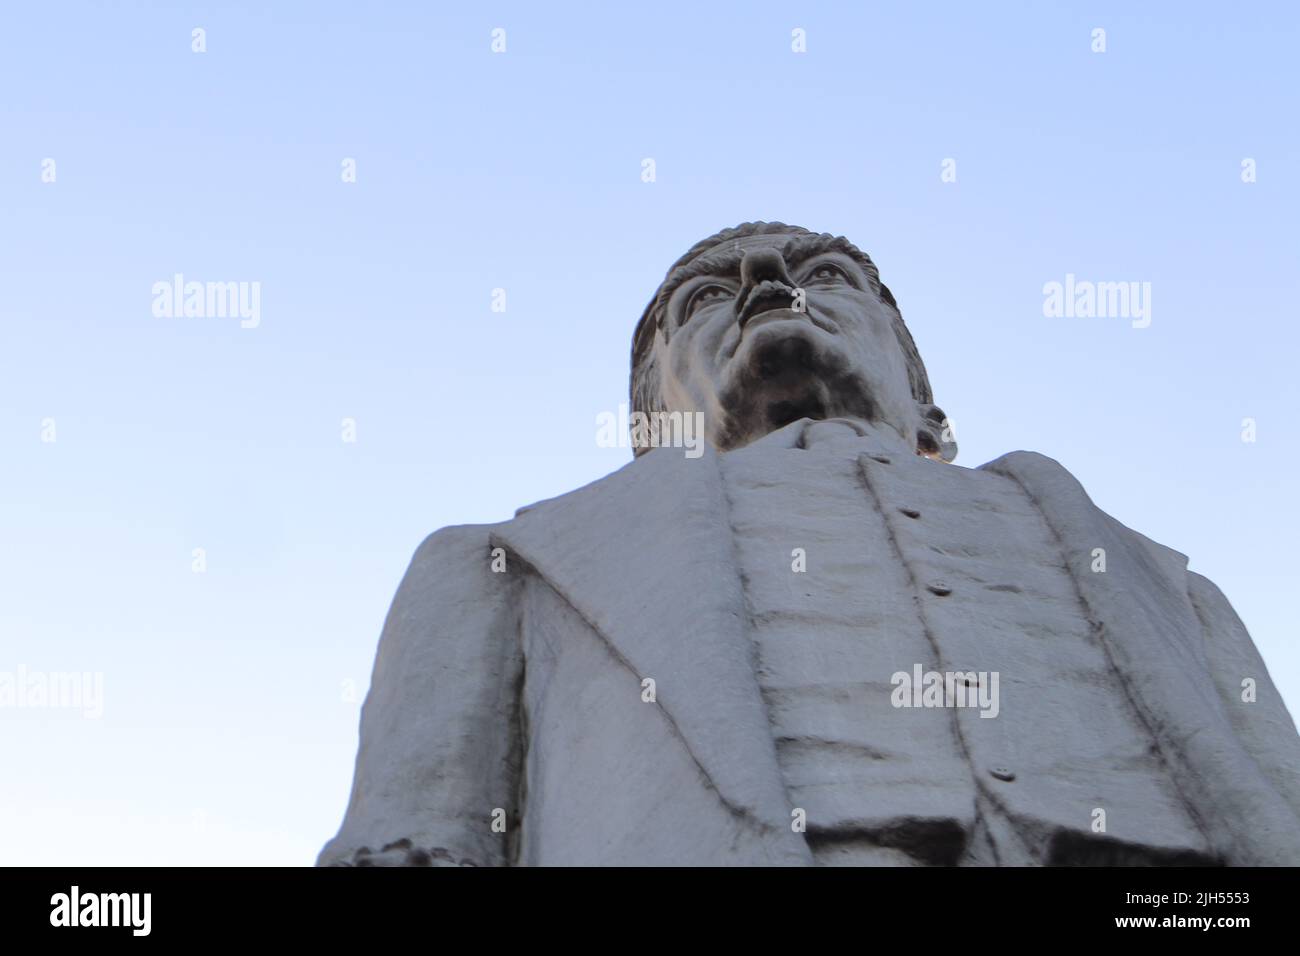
(758, 267)
(763, 264)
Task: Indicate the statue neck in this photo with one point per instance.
(807, 432)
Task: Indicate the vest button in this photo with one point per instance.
(939, 588)
(910, 512)
(1002, 773)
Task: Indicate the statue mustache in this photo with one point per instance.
(745, 331)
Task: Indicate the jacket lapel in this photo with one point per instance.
(1142, 614)
(645, 556)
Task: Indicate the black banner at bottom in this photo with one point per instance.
(335, 906)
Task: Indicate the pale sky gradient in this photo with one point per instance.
(225, 737)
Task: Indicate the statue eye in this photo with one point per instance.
(706, 295)
(828, 272)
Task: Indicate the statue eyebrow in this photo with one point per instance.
(724, 262)
(801, 248)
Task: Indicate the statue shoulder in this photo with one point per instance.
(452, 564)
(453, 544)
(1063, 499)
(1030, 462)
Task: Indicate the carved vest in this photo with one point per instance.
(916, 567)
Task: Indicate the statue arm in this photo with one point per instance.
(440, 746)
(1258, 715)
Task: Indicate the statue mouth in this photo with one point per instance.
(762, 331)
(780, 344)
(775, 315)
(774, 302)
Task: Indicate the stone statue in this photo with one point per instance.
(818, 642)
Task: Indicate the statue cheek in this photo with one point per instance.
(859, 322)
(685, 372)
(712, 341)
(870, 352)
(686, 354)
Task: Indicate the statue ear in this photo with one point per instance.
(935, 438)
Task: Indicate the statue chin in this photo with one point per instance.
(787, 369)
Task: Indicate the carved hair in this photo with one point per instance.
(644, 387)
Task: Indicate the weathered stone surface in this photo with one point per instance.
(704, 660)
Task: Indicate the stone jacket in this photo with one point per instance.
(510, 720)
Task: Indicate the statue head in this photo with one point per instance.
(764, 324)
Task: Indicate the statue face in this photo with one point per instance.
(739, 349)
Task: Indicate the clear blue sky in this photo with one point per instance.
(225, 737)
